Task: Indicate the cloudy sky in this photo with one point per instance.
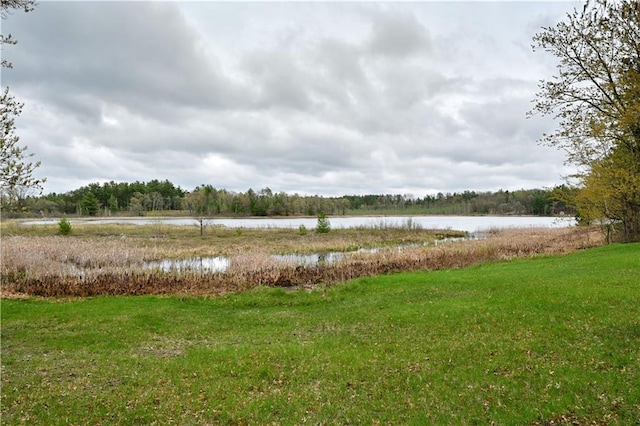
(326, 98)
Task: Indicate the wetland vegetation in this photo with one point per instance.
(114, 259)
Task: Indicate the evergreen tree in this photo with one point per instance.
(89, 204)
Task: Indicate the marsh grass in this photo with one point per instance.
(552, 340)
(220, 240)
(110, 259)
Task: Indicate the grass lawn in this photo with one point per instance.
(551, 340)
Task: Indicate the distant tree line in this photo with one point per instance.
(141, 198)
(539, 202)
(111, 198)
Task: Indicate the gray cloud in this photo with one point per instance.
(398, 34)
(280, 80)
(146, 58)
(321, 98)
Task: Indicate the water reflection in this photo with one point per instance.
(308, 259)
(330, 257)
(200, 264)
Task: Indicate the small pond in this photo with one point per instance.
(220, 264)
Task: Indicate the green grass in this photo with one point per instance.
(549, 339)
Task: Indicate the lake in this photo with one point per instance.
(462, 223)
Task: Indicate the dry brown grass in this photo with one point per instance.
(58, 266)
(185, 241)
(55, 255)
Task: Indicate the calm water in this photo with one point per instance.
(461, 223)
(202, 264)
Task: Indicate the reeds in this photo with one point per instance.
(57, 266)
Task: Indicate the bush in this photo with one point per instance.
(302, 229)
(64, 226)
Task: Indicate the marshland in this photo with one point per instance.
(121, 259)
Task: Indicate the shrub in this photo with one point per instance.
(302, 229)
(64, 226)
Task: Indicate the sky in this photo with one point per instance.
(326, 98)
